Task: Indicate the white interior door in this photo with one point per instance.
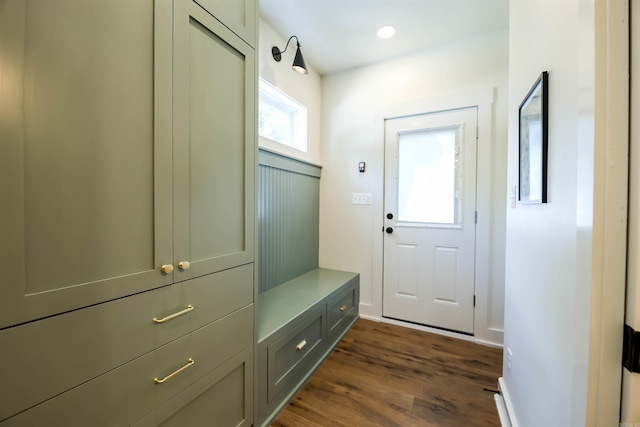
(430, 204)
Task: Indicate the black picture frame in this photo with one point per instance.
(533, 130)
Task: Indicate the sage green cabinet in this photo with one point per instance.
(221, 398)
(40, 360)
(127, 170)
(123, 396)
(298, 325)
(240, 16)
(85, 104)
(123, 148)
(214, 151)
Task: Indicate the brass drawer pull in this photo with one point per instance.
(174, 315)
(343, 308)
(301, 345)
(174, 373)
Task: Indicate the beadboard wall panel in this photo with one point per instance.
(288, 218)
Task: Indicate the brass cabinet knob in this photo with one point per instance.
(184, 265)
(167, 268)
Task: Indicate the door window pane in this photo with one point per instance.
(428, 182)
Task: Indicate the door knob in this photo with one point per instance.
(389, 230)
(167, 268)
(184, 265)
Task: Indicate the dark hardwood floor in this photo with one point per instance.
(387, 375)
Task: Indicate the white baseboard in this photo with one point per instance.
(502, 411)
(505, 407)
(368, 317)
(489, 343)
(369, 312)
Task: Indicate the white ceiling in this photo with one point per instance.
(336, 35)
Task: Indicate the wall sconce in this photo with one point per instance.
(298, 61)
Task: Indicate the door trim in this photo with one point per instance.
(483, 99)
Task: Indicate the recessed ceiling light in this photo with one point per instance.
(386, 32)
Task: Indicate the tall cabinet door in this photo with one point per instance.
(85, 153)
(240, 16)
(214, 150)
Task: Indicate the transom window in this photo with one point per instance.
(281, 118)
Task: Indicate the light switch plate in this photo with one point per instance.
(361, 199)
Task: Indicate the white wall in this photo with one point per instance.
(306, 89)
(560, 255)
(541, 256)
(351, 236)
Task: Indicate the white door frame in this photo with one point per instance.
(630, 410)
(483, 99)
(604, 111)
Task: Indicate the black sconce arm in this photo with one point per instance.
(277, 53)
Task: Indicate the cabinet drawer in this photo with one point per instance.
(126, 394)
(340, 307)
(42, 359)
(290, 357)
(206, 348)
(117, 398)
(223, 397)
(219, 294)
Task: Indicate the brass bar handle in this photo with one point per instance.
(343, 308)
(173, 316)
(189, 364)
(301, 345)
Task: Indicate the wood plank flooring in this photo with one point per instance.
(387, 375)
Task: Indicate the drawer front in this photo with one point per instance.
(42, 359)
(126, 394)
(45, 358)
(207, 348)
(117, 398)
(219, 294)
(223, 397)
(339, 307)
(291, 356)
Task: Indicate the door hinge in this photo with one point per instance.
(476, 217)
(474, 300)
(631, 349)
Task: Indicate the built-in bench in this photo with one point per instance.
(302, 311)
(299, 324)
